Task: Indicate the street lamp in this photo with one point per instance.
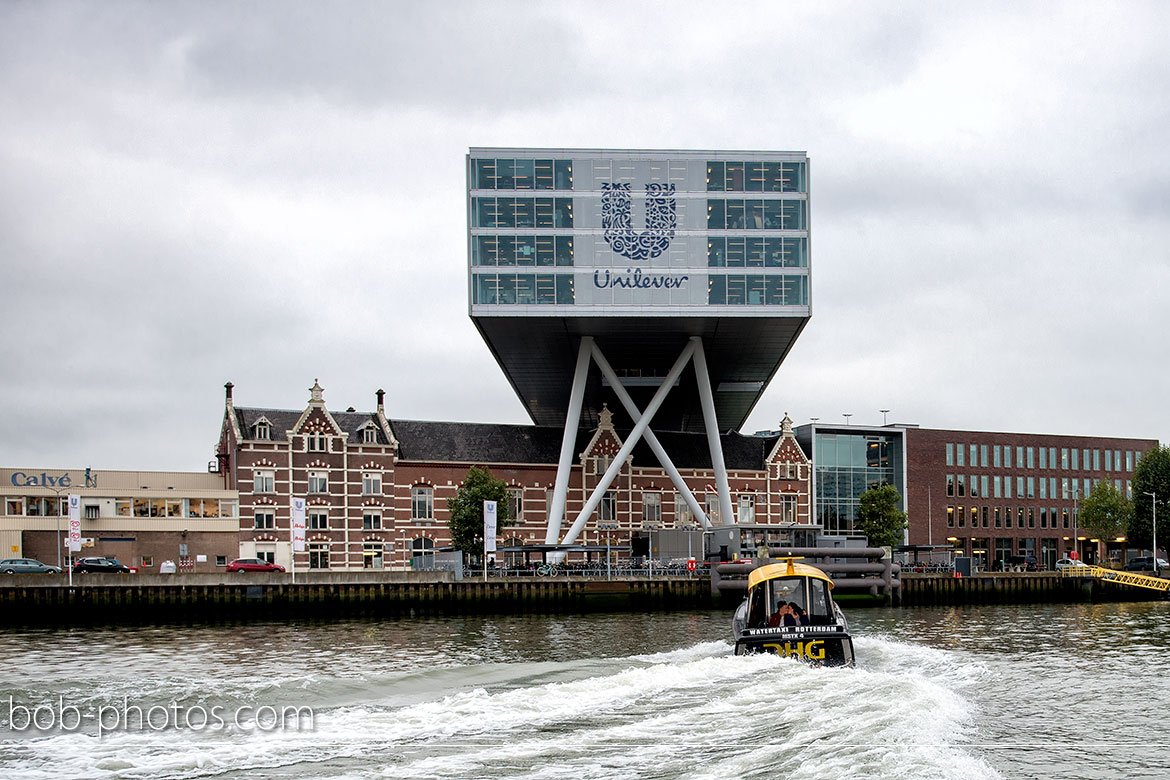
(1154, 505)
(607, 527)
(884, 413)
(1076, 546)
(846, 415)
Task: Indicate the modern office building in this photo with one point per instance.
(142, 518)
(377, 488)
(668, 285)
(847, 461)
(994, 496)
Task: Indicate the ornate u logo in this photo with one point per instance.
(661, 220)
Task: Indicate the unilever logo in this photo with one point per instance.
(661, 220)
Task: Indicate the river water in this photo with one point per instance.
(1011, 692)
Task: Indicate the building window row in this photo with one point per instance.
(756, 176)
(524, 289)
(757, 290)
(977, 485)
(1050, 458)
(512, 174)
(37, 506)
(1009, 517)
(522, 212)
(756, 214)
(522, 250)
(745, 252)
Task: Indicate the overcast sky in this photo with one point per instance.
(271, 193)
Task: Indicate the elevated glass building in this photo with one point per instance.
(657, 282)
(847, 461)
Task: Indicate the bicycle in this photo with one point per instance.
(548, 570)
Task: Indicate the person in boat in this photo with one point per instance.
(788, 614)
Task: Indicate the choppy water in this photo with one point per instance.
(1012, 692)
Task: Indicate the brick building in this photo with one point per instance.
(997, 495)
(377, 488)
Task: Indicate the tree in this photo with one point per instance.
(466, 509)
(1152, 475)
(1106, 513)
(880, 518)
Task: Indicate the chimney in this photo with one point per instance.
(228, 387)
(381, 399)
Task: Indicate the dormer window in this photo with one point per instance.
(263, 430)
(369, 435)
(316, 442)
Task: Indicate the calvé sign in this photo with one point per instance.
(44, 479)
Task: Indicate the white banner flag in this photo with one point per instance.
(74, 522)
(298, 524)
(489, 526)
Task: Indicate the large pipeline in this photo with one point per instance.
(885, 580)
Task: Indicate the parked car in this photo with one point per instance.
(26, 566)
(100, 565)
(253, 564)
(1069, 563)
(1146, 563)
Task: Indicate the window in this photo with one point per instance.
(516, 503)
(1007, 457)
(1044, 458)
(373, 555)
(682, 512)
(747, 508)
(1031, 458)
(787, 509)
(422, 502)
(372, 483)
(264, 518)
(221, 560)
(950, 484)
(609, 507)
(147, 561)
(651, 508)
(997, 459)
(997, 486)
(601, 464)
(371, 519)
(318, 520)
(92, 511)
(712, 501)
(122, 507)
(318, 482)
(268, 556)
(950, 454)
(983, 455)
(959, 450)
(318, 555)
(950, 517)
(227, 508)
(263, 430)
(369, 435)
(316, 442)
(263, 482)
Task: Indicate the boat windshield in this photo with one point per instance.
(779, 602)
(790, 601)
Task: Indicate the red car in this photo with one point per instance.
(253, 564)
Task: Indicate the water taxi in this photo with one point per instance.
(789, 611)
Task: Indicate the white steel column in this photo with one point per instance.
(652, 440)
(569, 442)
(712, 426)
(636, 434)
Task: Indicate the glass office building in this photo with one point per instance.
(847, 461)
(640, 250)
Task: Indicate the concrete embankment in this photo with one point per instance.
(113, 599)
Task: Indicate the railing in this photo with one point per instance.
(1120, 577)
(620, 570)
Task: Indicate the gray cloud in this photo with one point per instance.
(273, 193)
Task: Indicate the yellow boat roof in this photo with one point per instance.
(787, 569)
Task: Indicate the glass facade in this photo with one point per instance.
(847, 465)
(639, 228)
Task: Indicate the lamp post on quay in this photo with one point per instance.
(1154, 526)
(607, 527)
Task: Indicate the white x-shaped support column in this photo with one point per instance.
(588, 350)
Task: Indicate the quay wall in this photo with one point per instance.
(114, 599)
